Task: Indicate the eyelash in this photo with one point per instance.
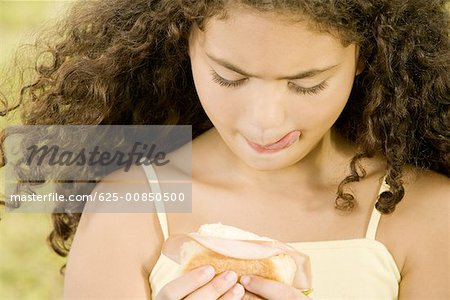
(297, 89)
(309, 91)
(226, 83)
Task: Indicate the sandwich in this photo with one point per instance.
(230, 248)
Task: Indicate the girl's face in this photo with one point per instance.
(264, 81)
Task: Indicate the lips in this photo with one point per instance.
(282, 143)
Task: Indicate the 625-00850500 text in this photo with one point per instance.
(138, 197)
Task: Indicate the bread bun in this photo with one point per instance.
(281, 267)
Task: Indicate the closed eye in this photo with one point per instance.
(225, 82)
(308, 91)
(297, 89)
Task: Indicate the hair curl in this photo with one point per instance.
(126, 62)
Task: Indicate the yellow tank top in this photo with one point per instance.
(341, 269)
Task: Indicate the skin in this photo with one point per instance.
(302, 178)
(266, 107)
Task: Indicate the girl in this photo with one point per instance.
(322, 124)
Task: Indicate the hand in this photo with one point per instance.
(199, 284)
(271, 289)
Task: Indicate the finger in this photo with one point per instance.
(235, 293)
(186, 283)
(216, 288)
(251, 296)
(271, 289)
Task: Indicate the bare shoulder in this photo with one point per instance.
(426, 194)
(426, 182)
(426, 203)
(422, 231)
(113, 252)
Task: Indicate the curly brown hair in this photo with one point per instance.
(126, 62)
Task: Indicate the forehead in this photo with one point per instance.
(247, 38)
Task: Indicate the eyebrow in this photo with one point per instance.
(304, 74)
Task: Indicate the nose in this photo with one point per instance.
(266, 108)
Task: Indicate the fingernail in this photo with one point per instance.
(230, 276)
(209, 271)
(237, 289)
(245, 280)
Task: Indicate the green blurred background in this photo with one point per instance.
(29, 269)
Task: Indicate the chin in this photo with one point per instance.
(273, 161)
(272, 165)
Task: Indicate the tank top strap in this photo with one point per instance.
(375, 217)
(159, 205)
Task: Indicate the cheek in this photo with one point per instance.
(218, 102)
(322, 110)
(328, 108)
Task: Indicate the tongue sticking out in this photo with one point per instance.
(286, 141)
